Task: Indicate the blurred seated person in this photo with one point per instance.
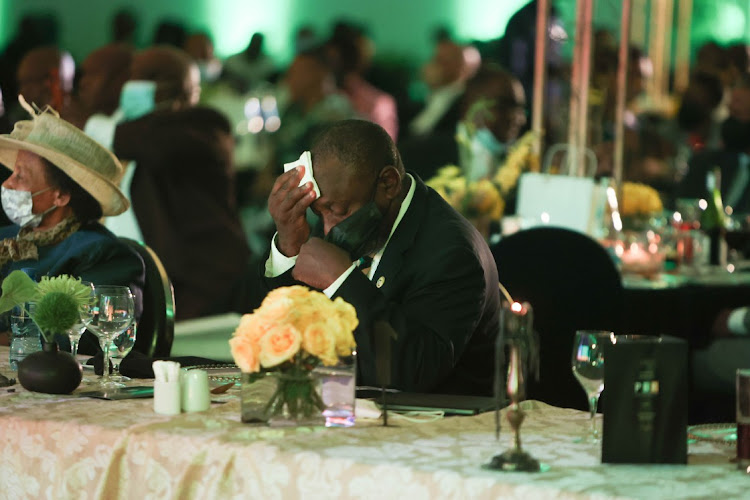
(62, 182)
(429, 275)
(5, 126)
(697, 116)
(251, 67)
(445, 75)
(45, 78)
(183, 185)
(200, 47)
(313, 101)
(103, 73)
(714, 367)
(352, 54)
(733, 158)
(498, 123)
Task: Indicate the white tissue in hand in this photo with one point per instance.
(306, 160)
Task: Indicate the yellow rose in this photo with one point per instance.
(245, 353)
(346, 314)
(318, 340)
(292, 292)
(253, 327)
(280, 344)
(640, 199)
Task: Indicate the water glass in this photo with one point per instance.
(109, 314)
(338, 384)
(25, 335)
(119, 348)
(588, 367)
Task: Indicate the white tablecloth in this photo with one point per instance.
(73, 447)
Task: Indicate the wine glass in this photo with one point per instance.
(109, 314)
(588, 367)
(119, 348)
(76, 331)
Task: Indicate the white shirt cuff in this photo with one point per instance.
(736, 321)
(334, 287)
(278, 263)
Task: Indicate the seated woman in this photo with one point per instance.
(62, 183)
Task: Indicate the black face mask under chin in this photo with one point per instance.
(357, 234)
(735, 134)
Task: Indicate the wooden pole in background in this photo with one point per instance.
(579, 88)
(622, 82)
(540, 74)
(682, 49)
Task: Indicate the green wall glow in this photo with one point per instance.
(401, 29)
(483, 20)
(233, 22)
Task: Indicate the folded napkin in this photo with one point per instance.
(138, 365)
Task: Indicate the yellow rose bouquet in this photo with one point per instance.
(293, 331)
(640, 200)
(479, 201)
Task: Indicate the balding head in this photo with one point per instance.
(45, 76)
(104, 72)
(502, 100)
(176, 75)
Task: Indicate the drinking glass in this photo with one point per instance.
(119, 348)
(109, 315)
(588, 367)
(76, 331)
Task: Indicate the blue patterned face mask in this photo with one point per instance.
(137, 98)
(18, 207)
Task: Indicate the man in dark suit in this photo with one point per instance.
(431, 277)
(733, 158)
(183, 186)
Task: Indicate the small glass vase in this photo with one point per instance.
(282, 398)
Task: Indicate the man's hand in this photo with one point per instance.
(320, 263)
(287, 204)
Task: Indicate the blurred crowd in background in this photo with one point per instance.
(274, 110)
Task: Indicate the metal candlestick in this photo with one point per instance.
(517, 332)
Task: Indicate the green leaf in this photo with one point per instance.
(18, 288)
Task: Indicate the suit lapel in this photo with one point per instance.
(402, 238)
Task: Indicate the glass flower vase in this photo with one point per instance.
(282, 398)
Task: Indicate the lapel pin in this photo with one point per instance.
(380, 282)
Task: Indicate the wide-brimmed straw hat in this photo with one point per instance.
(83, 159)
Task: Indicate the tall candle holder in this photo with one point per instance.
(516, 332)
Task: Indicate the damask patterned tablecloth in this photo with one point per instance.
(83, 448)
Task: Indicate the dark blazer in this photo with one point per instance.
(693, 185)
(183, 197)
(439, 292)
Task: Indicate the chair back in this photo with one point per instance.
(156, 329)
(572, 284)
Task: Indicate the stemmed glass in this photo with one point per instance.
(76, 331)
(109, 314)
(588, 367)
(121, 347)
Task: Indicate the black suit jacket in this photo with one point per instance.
(693, 185)
(439, 292)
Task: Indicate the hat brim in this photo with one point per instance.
(109, 196)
